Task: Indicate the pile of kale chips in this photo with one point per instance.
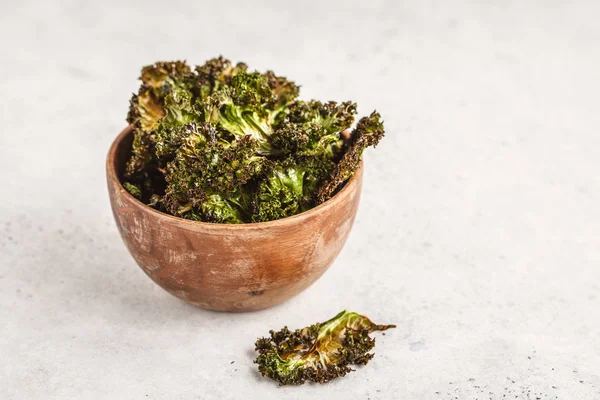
(217, 143)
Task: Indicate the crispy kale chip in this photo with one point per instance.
(158, 80)
(218, 143)
(205, 178)
(368, 132)
(147, 109)
(215, 74)
(288, 187)
(314, 128)
(318, 353)
(250, 106)
(332, 116)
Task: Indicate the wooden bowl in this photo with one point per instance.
(230, 267)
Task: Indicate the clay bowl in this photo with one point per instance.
(230, 267)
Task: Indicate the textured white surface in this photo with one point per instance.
(478, 232)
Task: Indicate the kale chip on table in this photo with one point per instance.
(319, 352)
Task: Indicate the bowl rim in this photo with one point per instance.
(113, 178)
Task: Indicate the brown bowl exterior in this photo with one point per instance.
(230, 267)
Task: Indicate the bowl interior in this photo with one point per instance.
(122, 152)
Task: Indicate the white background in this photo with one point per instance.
(478, 233)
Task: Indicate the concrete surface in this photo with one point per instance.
(478, 232)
